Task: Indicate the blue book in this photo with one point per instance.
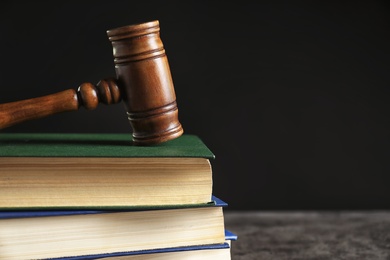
(204, 252)
(67, 233)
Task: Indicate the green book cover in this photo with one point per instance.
(97, 145)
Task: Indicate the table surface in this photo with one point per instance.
(310, 235)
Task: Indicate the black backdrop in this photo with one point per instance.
(292, 97)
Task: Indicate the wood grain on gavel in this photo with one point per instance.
(143, 81)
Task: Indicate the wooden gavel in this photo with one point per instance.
(143, 81)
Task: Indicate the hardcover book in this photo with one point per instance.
(67, 233)
(221, 251)
(104, 171)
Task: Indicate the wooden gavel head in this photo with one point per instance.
(143, 82)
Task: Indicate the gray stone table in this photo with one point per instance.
(310, 235)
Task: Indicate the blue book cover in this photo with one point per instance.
(228, 236)
(44, 234)
(7, 214)
(105, 233)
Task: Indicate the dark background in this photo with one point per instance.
(292, 97)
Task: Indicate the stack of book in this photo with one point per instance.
(92, 196)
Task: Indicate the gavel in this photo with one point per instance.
(143, 81)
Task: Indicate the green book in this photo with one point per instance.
(99, 171)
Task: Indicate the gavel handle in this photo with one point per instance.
(88, 95)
